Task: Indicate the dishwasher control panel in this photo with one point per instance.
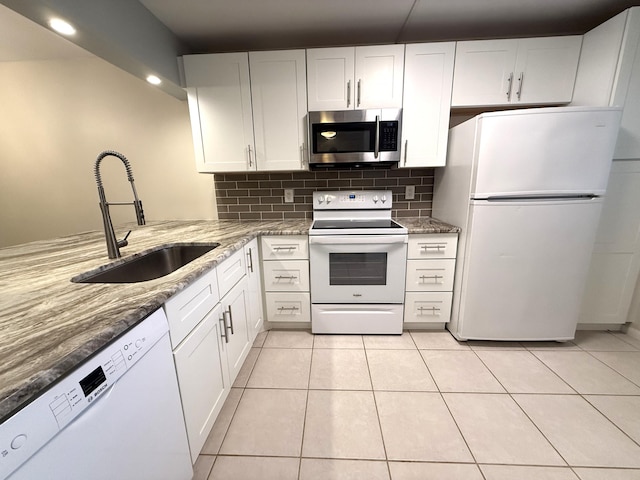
(23, 434)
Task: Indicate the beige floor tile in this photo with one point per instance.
(607, 474)
(418, 426)
(440, 340)
(458, 371)
(247, 367)
(260, 338)
(586, 374)
(399, 370)
(281, 368)
(342, 424)
(522, 372)
(513, 472)
(219, 430)
(625, 363)
(288, 339)
(550, 346)
(389, 342)
(255, 468)
(497, 431)
(434, 471)
(624, 411)
(491, 345)
(582, 435)
(601, 341)
(203, 466)
(625, 337)
(338, 341)
(267, 422)
(321, 469)
(339, 369)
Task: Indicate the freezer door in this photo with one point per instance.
(554, 151)
(525, 268)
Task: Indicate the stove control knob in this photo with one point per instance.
(384, 198)
(320, 200)
(375, 199)
(328, 198)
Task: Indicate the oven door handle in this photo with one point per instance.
(357, 239)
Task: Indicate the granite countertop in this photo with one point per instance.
(49, 325)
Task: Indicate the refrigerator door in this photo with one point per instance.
(548, 150)
(525, 268)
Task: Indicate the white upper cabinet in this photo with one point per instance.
(609, 75)
(428, 75)
(219, 96)
(347, 78)
(527, 71)
(279, 99)
(233, 95)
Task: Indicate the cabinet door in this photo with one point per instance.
(545, 69)
(255, 313)
(279, 99)
(330, 81)
(378, 76)
(428, 75)
(234, 311)
(219, 97)
(202, 376)
(483, 72)
(616, 258)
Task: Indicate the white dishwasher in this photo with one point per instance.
(117, 416)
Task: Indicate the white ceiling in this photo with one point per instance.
(232, 25)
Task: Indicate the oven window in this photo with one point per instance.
(357, 269)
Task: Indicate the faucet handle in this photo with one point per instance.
(124, 242)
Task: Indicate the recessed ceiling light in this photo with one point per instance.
(61, 26)
(153, 80)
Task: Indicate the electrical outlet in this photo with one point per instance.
(410, 192)
(288, 195)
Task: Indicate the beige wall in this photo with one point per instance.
(57, 116)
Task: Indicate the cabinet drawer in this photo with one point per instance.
(437, 245)
(421, 307)
(288, 307)
(230, 272)
(291, 275)
(430, 275)
(284, 247)
(185, 309)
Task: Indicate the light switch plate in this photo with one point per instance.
(288, 195)
(410, 192)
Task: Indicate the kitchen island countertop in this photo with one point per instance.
(49, 325)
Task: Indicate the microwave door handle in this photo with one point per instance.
(376, 148)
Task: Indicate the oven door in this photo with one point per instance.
(357, 268)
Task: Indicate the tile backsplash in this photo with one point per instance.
(260, 195)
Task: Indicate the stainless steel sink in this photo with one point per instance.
(153, 264)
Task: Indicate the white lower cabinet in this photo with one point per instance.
(211, 340)
(285, 272)
(429, 281)
(202, 377)
(255, 311)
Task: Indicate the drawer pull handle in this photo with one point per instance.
(291, 247)
(286, 277)
(435, 278)
(291, 309)
(430, 310)
(438, 247)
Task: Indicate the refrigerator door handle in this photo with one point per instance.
(515, 198)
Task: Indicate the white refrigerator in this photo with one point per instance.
(526, 188)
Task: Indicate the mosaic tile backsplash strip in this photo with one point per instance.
(260, 195)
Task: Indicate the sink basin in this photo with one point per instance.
(153, 264)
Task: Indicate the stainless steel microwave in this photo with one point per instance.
(355, 136)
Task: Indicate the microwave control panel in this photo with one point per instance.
(388, 136)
